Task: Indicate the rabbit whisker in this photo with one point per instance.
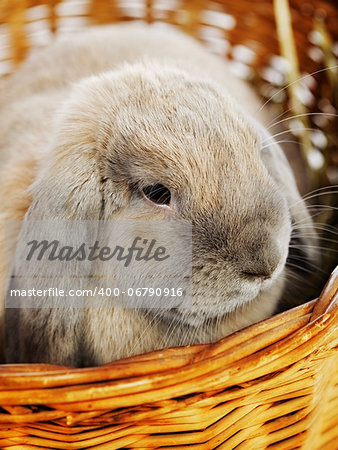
(301, 115)
(297, 81)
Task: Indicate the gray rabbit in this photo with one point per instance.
(90, 127)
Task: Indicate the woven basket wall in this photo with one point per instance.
(273, 385)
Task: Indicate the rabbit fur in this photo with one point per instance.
(113, 107)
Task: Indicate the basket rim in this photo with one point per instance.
(266, 345)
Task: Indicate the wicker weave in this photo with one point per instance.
(273, 385)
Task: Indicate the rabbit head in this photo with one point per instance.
(148, 141)
(124, 134)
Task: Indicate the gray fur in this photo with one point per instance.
(155, 107)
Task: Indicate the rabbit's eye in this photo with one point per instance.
(157, 193)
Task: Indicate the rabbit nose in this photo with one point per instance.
(262, 265)
(255, 275)
(259, 257)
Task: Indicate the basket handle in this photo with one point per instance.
(328, 299)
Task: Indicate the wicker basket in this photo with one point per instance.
(273, 385)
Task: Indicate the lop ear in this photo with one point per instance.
(69, 185)
(277, 165)
(73, 178)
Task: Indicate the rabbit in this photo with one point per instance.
(88, 126)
